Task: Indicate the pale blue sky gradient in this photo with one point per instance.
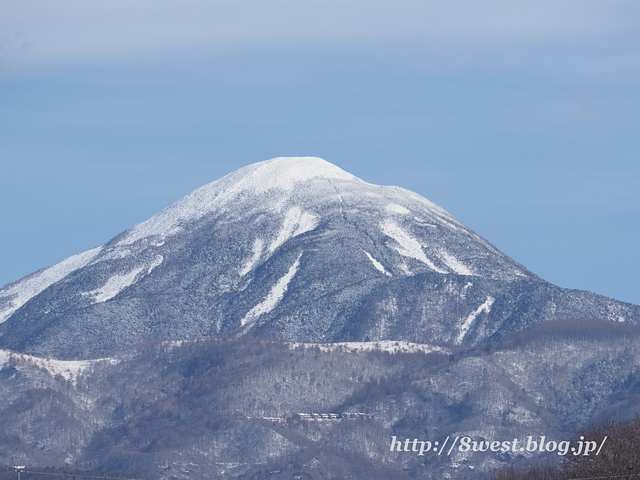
(521, 120)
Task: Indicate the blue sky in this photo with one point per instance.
(522, 119)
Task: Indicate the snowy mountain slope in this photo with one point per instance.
(14, 295)
(294, 249)
(287, 320)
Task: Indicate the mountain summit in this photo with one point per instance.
(251, 330)
(293, 249)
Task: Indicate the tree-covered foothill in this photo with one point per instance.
(619, 458)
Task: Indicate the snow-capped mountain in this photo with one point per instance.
(294, 249)
(287, 321)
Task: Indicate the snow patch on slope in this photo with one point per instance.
(258, 245)
(117, 283)
(395, 208)
(454, 264)
(391, 346)
(67, 369)
(407, 246)
(377, 264)
(283, 173)
(296, 222)
(466, 324)
(24, 290)
(4, 358)
(273, 297)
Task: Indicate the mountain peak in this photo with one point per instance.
(292, 249)
(281, 173)
(285, 172)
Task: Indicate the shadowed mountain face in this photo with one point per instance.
(291, 249)
(254, 409)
